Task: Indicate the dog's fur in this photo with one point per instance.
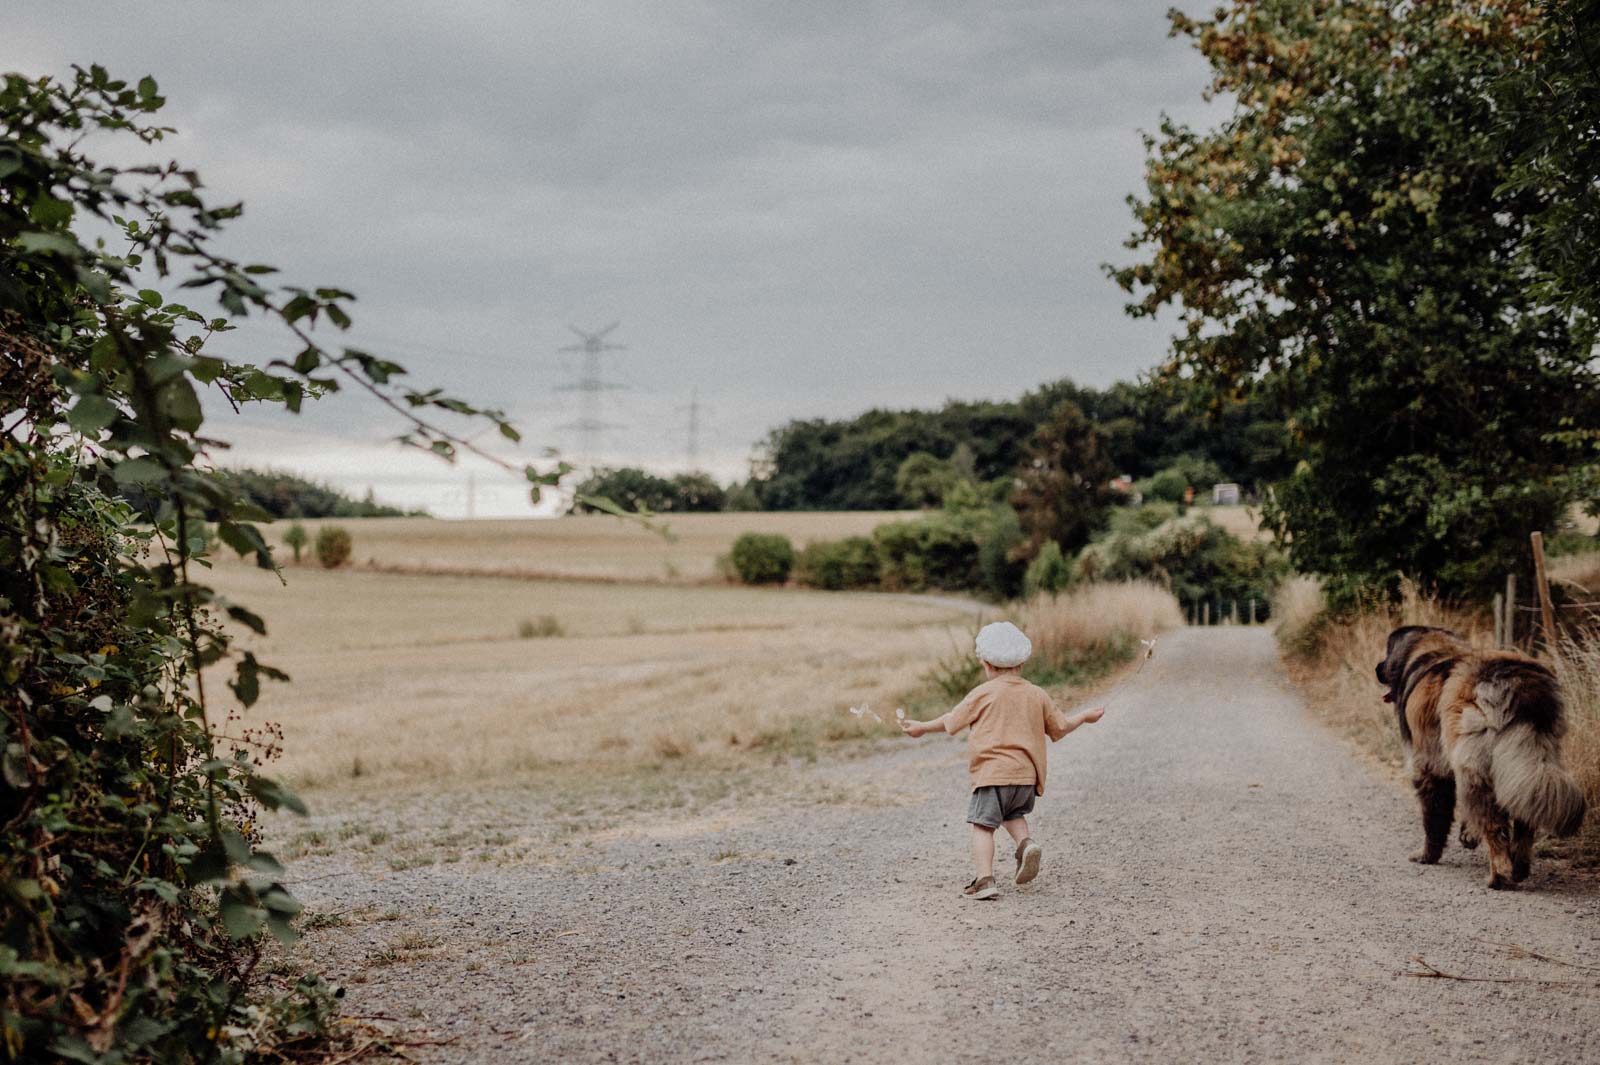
(1489, 723)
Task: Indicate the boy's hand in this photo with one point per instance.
(1091, 716)
(913, 728)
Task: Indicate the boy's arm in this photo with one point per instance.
(1058, 724)
(922, 728)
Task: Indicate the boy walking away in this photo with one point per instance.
(1009, 719)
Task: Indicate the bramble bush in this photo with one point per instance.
(134, 893)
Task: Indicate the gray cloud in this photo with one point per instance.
(801, 209)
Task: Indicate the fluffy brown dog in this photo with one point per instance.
(1490, 723)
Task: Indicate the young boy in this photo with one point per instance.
(1010, 719)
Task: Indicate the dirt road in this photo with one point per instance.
(1223, 882)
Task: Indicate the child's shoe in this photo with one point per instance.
(980, 890)
(1029, 857)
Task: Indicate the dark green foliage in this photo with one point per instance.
(333, 546)
(1356, 244)
(836, 565)
(1063, 488)
(133, 891)
(855, 464)
(1196, 558)
(640, 491)
(936, 551)
(740, 496)
(1049, 573)
(1001, 546)
(923, 479)
(762, 558)
(284, 495)
(1171, 484)
(1548, 112)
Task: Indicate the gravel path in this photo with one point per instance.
(1223, 882)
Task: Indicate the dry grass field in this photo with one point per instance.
(413, 679)
(585, 547)
(447, 669)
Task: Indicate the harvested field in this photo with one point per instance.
(416, 678)
(587, 546)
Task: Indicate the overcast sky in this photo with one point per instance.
(799, 209)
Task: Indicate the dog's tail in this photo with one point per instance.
(1521, 703)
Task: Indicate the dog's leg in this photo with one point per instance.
(1491, 825)
(1437, 796)
(1468, 838)
(1521, 850)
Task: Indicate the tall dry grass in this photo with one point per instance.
(1098, 619)
(1077, 636)
(1333, 662)
(1577, 666)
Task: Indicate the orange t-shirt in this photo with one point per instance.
(1010, 719)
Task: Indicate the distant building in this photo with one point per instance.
(1225, 495)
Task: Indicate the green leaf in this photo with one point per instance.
(274, 795)
(138, 471)
(44, 243)
(92, 413)
(249, 619)
(240, 919)
(147, 88)
(246, 682)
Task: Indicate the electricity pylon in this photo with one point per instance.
(588, 425)
(695, 410)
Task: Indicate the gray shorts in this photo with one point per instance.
(992, 805)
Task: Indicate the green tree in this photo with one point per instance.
(133, 890)
(1350, 243)
(1063, 490)
(923, 479)
(636, 490)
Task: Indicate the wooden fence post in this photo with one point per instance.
(1499, 619)
(1252, 610)
(1511, 611)
(1205, 612)
(1547, 613)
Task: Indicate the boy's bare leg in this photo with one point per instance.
(1018, 827)
(983, 850)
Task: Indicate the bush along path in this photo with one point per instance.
(1222, 881)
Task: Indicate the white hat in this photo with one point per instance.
(1002, 644)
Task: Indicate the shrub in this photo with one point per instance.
(937, 551)
(1001, 543)
(333, 546)
(1198, 559)
(835, 565)
(296, 539)
(762, 558)
(542, 627)
(1049, 573)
